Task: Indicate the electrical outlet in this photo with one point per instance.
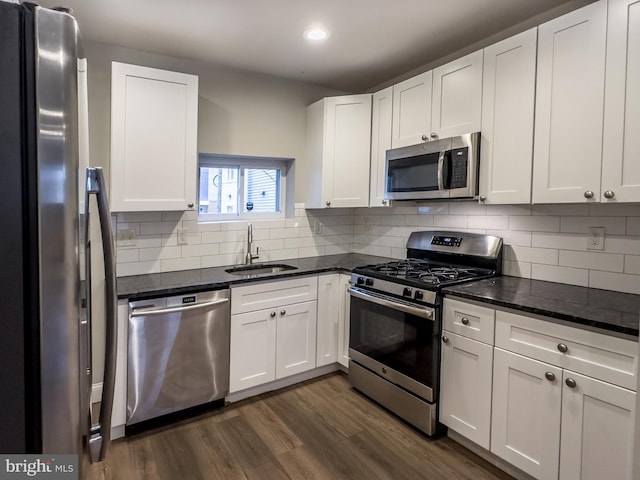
(595, 238)
(367, 224)
(126, 238)
(183, 236)
(317, 227)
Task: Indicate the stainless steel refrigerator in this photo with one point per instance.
(45, 190)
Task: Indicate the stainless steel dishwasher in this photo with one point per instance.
(178, 353)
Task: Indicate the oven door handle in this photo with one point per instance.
(423, 312)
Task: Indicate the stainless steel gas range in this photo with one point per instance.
(396, 319)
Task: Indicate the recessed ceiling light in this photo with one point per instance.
(316, 34)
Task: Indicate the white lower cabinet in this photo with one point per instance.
(597, 429)
(560, 405)
(333, 320)
(276, 340)
(465, 392)
(525, 419)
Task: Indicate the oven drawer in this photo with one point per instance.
(606, 358)
(469, 320)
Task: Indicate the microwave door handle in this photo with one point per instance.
(441, 170)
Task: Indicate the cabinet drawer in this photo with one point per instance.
(604, 357)
(269, 295)
(469, 320)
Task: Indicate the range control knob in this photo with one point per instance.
(406, 292)
(360, 281)
(418, 295)
(369, 282)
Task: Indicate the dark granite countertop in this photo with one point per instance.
(139, 287)
(612, 312)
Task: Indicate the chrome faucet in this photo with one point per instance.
(250, 257)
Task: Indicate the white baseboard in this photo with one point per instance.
(96, 393)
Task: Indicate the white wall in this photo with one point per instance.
(238, 113)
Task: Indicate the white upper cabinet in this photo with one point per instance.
(621, 149)
(457, 97)
(381, 117)
(508, 100)
(335, 172)
(412, 110)
(154, 124)
(569, 106)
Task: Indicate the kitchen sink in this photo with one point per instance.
(260, 269)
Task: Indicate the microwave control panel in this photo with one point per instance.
(459, 162)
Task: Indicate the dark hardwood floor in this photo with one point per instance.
(321, 429)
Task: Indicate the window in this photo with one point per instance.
(233, 187)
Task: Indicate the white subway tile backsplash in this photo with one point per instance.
(633, 226)
(564, 241)
(450, 221)
(547, 256)
(516, 269)
(592, 260)
(612, 225)
(551, 273)
(497, 222)
(534, 224)
(173, 264)
(632, 264)
(150, 254)
(614, 281)
(547, 242)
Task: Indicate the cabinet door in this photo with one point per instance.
(296, 339)
(597, 429)
(328, 319)
(412, 110)
(253, 349)
(380, 142)
(347, 152)
(457, 97)
(621, 149)
(343, 328)
(465, 391)
(508, 93)
(154, 125)
(569, 106)
(525, 415)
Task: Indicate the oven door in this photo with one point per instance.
(397, 340)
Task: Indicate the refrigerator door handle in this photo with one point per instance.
(100, 433)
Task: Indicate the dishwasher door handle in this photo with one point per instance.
(184, 308)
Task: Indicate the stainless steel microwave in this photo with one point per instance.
(446, 168)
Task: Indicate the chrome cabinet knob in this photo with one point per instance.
(190, 204)
(609, 194)
(425, 137)
(327, 203)
(483, 198)
(445, 339)
(588, 194)
(550, 376)
(571, 383)
(563, 348)
(273, 314)
(434, 135)
(384, 202)
(283, 312)
(464, 320)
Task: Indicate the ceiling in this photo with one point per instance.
(371, 42)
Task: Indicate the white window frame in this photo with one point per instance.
(243, 162)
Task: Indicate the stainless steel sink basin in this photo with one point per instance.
(260, 269)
